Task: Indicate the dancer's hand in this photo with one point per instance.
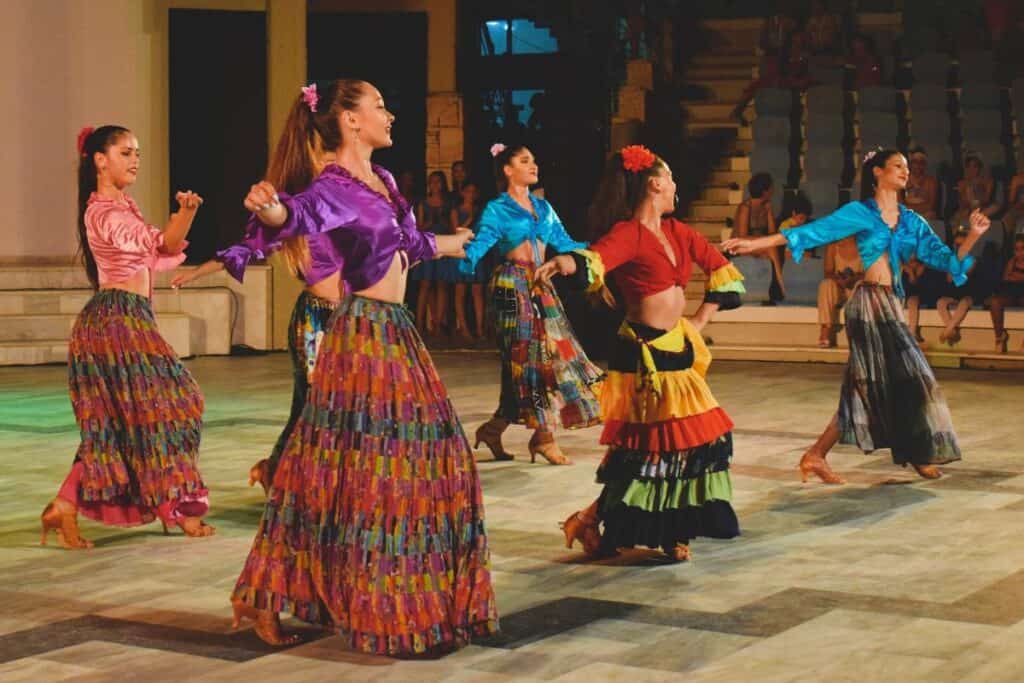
(738, 246)
(182, 279)
(980, 223)
(563, 264)
(188, 200)
(262, 197)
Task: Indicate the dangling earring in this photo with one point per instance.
(357, 134)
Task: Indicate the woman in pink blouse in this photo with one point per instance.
(138, 408)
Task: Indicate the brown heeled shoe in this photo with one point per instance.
(490, 434)
(543, 444)
(927, 471)
(576, 527)
(267, 624)
(818, 467)
(260, 472)
(62, 516)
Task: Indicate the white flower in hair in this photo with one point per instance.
(869, 156)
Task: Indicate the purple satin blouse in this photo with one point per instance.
(349, 227)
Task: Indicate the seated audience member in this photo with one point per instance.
(975, 190)
(1013, 219)
(1009, 293)
(843, 270)
(955, 301)
(777, 28)
(823, 30)
(922, 191)
(754, 219)
(867, 68)
(789, 70)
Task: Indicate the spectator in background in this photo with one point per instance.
(922, 191)
(1000, 16)
(867, 69)
(914, 280)
(777, 28)
(1013, 220)
(823, 30)
(407, 187)
(843, 270)
(789, 70)
(956, 301)
(969, 33)
(975, 190)
(458, 180)
(1009, 293)
(754, 218)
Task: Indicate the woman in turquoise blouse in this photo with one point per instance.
(547, 381)
(889, 398)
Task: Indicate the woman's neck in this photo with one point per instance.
(887, 199)
(649, 214)
(355, 158)
(105, 188)
(521, 193)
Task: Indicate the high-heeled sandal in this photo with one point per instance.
(62, 516)
(490, 434)
(954, 338)
(193, 527)
(260, 472)
(545, 447)
(576, 527)
(926, 471)
(267, 624)
(819, 467)
(1002, 341)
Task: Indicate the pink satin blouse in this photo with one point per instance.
(123, 243)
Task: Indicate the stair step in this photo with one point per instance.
(722, 89)
(707, 73)
(710, 229)
(721, 194)
(738, 58)
(40, 330)
(712, 111)
(703, 210)
(742, 132)
(733, 163)
(719, 177)
(36, 352)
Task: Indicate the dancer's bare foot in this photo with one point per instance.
(680, 553)
(194, 527)
(62, 516)
(812, 463)
(927, 471)
(260, 472)
(267, 624)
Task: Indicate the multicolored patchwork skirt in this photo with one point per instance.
(547, 381)
(666, 472)
(890, 398)
(375, 520)
(305, 331)
(140, 414)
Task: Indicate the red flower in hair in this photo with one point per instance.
(637, 158)
(83, 135)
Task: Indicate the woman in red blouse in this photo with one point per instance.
(666, 471)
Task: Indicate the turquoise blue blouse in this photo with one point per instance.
(505, 223)
(911, 237)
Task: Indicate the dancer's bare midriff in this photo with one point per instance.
(661, 310)
(391, 287)
(880, 272)
(524, 252)
(136, 284)
(330, 288)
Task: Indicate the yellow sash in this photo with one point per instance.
(673, 341)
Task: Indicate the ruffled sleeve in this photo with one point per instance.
(933, 252)
(617, 247)
(847, 220)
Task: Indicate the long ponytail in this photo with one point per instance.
(91, 142)
(311, 130)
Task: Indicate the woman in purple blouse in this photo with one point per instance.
(374, 523)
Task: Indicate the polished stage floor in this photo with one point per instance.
(888, 578)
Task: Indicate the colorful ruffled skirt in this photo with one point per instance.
(890, 397)
(547, 381)
(375, 520)
(305, 332)
(666, 472)
(140, 414)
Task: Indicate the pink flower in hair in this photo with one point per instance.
(310, 96)
(83, 135)
(497, 148)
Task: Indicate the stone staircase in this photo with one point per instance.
(38, 306)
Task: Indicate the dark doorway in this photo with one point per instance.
(217, 85)
(390, 51)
